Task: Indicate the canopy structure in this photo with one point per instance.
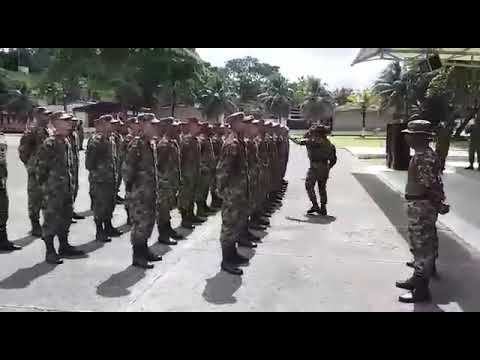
(466, 57)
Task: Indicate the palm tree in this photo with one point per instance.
(364, 99)
(216, 100)
(277, 97)
(318, 105)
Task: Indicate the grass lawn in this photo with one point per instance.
(352, 141)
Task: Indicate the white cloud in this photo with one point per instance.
(332, 65)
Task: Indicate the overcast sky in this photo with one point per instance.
(332, 65)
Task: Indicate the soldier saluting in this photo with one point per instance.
(425, 200)
(323, 156)
(30, 144)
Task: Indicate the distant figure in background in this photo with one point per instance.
(444, 133)
(81, 134)
(474, 148)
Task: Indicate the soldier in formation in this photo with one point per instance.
(102, 164)
(74, 140)
(206, 170)
(29, 148)
(425, 201)
(322, 156)
(5, 244)
(55, 174)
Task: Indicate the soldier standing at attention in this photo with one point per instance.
(5, 244)
(323, 156)
(168, 180)
(207, 165)
(232, 187)
(75, 141)
(217, 143)
(119, 140)
(140, 175)
(28, 150)
(425, 200)
(81, 134)
(100, 161)
(133, 129)
(190, 169)
(55, 174)
(474, 147)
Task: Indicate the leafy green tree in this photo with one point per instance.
(278, 96)
(318, 105)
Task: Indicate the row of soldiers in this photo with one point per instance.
(164, 164)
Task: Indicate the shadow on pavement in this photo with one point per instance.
(91, 246)
(458, 264)
(22, 278)
(86, 213)
(160, 249)
(323, 220)
(118, 284)
(219, 290)
(25, 241)
(184, 232)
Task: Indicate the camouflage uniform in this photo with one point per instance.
(101, 162)
(322, 156)
(140, 174)
(190, 160)
(128, 141)
(30, 144)
(233, 188)
(74, 141)
(120, 143)
(56, 174)
(425, 195)
(253, 166)
(3, 188)
(264, 169)
(168, 184)
(217, 143)
(206, 172)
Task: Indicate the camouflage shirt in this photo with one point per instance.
(3, 166)
(138, 168)
(232, 173)
(54, 168)
(100, 159)
(424, 171)
(189, 156)
(320, 150)
(168, 164)
(217, 143)
(207, 155)
(30, 144)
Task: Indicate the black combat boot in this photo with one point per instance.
(208, 209)
(196, 220)
(152, 257)
(5, 244)
(314, 209)
(173, 234)
(110, 230)
(246, 242)
(77, 216)
(258, 219)
(256, 226)
(323, 210)
(239, 259)
(66, 249)
(470, 167)
(411, 264)
(420, 293)
(186, 222)
(408, 284)
(36, 228)
(216, 202)
(252, 237)
(227, 261)
(51, 256)
(140, 257)
(164, 236)
(101, 235)
(201, 210)
(119, 200)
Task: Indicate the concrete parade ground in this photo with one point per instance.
(347, 261)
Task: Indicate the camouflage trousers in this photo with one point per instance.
(3, 207)
(186, 195)
(102, 196)
(472, 150)
(167, 200)
(118, 179)
(35, 196)
(422, 235)
(57, 213)
(234, 221)
(75, 182)
(203, 186)
(317, 174)
(141, 204)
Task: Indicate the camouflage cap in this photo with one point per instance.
(40, 109)
(420, 127)
(238, 116)
(108, 118)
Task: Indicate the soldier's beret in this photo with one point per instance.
(234, 117)
(167, 120)
(421, 127)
